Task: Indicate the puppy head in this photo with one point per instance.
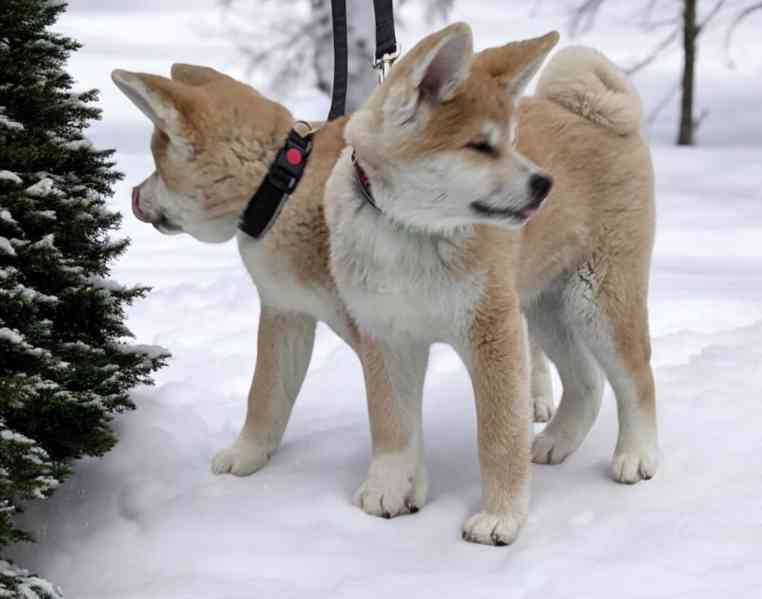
(213, 139)
(439, 134)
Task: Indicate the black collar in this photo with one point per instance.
(363, 182)
(279, 183)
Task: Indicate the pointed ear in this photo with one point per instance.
(514, 64)
(192, 74)
(433, 70)
(162, 100)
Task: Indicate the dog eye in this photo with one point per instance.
(482, 147)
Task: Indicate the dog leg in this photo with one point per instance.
(621, 345)
(580, 378)
(541, 383)
(397, 481)
(497, 359)
(284, 348)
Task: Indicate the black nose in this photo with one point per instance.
(540, 186)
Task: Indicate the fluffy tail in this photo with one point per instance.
(587, 83)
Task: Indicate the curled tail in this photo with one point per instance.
(587, 83)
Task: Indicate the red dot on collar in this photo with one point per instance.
(294, 156)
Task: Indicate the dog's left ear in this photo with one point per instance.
(432, 71)
(195, 75)
(514, 64)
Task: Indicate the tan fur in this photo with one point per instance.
(578, 269)
(598, 219)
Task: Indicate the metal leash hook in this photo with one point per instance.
(384, 64)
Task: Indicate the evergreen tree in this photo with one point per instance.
(65, 368)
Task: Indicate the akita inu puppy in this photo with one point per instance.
(213, 142)
(440, 231)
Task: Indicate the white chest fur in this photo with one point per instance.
(280, 287)
(395, 282)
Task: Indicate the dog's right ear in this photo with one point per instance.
(166, 102)
(433, 70)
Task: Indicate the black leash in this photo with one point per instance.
(386, 41)
(288, 167)
(340, 60)
(387, 49)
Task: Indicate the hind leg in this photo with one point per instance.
(541, 383)
(580, 377)
(619, 339)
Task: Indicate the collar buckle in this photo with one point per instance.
(290, 161)
(280, 182)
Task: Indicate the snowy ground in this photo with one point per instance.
(150, 521)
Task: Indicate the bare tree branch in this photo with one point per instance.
(701, 118)
(583, 17)
(734, 25)
(656, 52)
(662, 104)
(536, 6)
(710, 15)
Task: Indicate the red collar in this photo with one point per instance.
(363, 181)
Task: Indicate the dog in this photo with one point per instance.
(214, 139)
(459, 206)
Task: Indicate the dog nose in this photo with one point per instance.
(540, 186)
(136, 209)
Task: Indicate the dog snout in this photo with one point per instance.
(136, 209)
(540, 186)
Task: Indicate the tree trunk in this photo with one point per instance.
(690, 34)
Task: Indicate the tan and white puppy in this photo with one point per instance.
(213, 142)
(449, 254)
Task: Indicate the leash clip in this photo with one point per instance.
(384, 64)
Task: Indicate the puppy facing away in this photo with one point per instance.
(214, 139)
(444, 228)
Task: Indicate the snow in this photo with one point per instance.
(43, 188)
(5, 246)
(30, 587)
(6, 216)
(45, 242)
(27, 294)
(9, 176)
(8, 435)
(79, 144)
(149, 520)
(9, 123)
(151, 352)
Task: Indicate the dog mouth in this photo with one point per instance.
(520, 215)
(164, 225)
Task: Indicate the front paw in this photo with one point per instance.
(394, 487)
(241, 459)
(492, 529)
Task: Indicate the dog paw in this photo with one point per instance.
(241, 459)
(543, 407)
(492, 529)
(392, 488)
(548, 448)
(630, 467)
